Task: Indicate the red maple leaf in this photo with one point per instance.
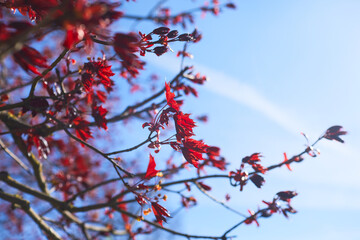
(160, 212)
(99, 116)
(184, 125)
(82, 129)
(170, 98)
(101, 70)
(192, 150)
(151, 172)
(125, 45)
(28, 58)
(255, 157)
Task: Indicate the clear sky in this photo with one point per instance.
(278, 68)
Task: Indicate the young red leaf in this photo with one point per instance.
(184, 125)
(151, 172)
(99, 114)
(192, 150)
(160, 212)
(170, 98)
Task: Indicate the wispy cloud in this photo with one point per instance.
(244, 94)
(235, 90)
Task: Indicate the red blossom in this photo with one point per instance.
(151, 172)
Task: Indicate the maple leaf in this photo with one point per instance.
(87, 81)
(184, 125)
(82, 129)
(151, 172)
(192, 150)
(213, 154)
(160, 212)
(101, 70)
(99, 116)
(255, 157)
(170, 98)
(125, 45)
(28, 58)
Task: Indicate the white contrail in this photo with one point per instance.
(244, 94)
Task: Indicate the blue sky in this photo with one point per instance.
(278, 68)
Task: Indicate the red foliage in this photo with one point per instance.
(85, 75)
(151, 172)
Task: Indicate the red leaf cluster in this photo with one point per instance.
(126, 45)
(28, 58)
(82, 129)
(160, 212)
(241, 177)
(99, 69)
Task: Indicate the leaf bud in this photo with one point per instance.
(186, 37)
(172, 34)
(161, 30)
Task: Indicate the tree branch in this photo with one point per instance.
(25, 206)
